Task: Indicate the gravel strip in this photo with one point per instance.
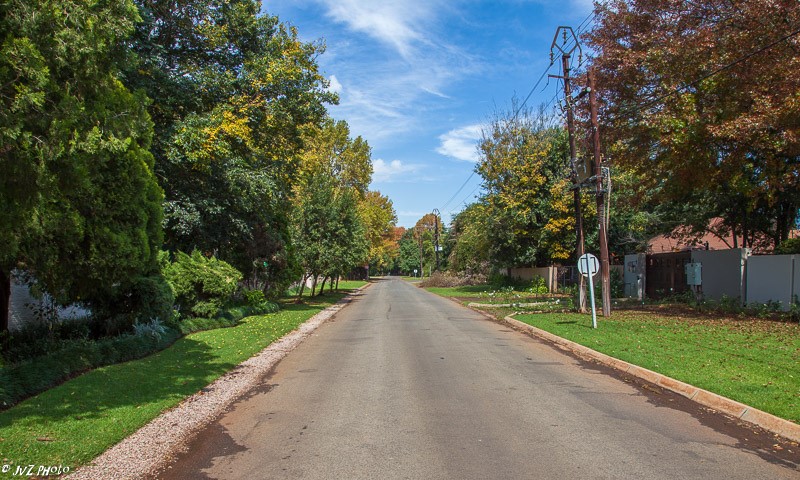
(147, 450)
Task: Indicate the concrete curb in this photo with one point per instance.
(784, 428)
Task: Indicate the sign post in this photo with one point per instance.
(588, 266)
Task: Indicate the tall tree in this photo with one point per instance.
(345, 165)
(326, 229)
(524, 169)
(701, 99)
(330, 149)
(470, 234)
(379, 219)
(408, 256)
(81, 205)
(234, 93)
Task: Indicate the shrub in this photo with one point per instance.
(153, 328)
(788, 246)
(144, 298)
(539, 286)
(31, 376)
(617, 283)
(254, 297)
(447, 279)
(202, 285)
(499, 280)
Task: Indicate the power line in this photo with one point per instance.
(464, 202)
(458, 191)
(516, 113)
(522, 105)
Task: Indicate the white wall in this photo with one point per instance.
(772, 278)
(723, 272)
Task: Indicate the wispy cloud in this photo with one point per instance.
(392, 55)
(335, 86)
(383, 171)
(399, 24)
(461, 143)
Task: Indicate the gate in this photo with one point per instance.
(665, 274)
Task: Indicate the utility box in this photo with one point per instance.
(634, 275)
(694, 273)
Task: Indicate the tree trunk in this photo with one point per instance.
(314, 284)
(744, 231)
(302, 287)
(322, 288)
(5, 299)
(337, 282)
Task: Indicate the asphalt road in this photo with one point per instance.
(404, 384)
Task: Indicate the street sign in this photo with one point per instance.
(588, 265)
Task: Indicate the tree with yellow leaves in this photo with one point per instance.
(523, 164)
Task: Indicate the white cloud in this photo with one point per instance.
(383, 171)
(399, 24)
(335, 85)
(461, 143)
(393, 56)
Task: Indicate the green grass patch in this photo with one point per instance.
(71, 424)
(351, 284)
(488, 295)
(753, 361)
(471, 291)
(344, 285)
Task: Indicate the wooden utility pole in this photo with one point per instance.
(579, 247)
(605, 277)
(419, 235)
(436, 236)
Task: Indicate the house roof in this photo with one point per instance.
(715, 237)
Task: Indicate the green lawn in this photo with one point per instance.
(490, 294)
(755, 362)
(76, 421)
(471, 291)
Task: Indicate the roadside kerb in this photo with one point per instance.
(152, 447)
(767, 421)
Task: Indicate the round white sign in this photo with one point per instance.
(588, 265)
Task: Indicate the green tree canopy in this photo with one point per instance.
(235, 93)
(82, 208)
(527, 201)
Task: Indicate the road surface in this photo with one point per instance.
(404, 384)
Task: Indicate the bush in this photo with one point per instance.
(254, 297)
(34, 366)
(617, 283)
(34, 375)
(539, 286)
(202, 286)
(446, 279)
(145, 298)
(497, 279)
(154, 328)
(788, 247)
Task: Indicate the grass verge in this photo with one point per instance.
(465, 291)
(71, 424)
(752, 361)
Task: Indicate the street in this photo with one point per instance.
(405, 384)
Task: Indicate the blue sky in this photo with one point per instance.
(418, 78)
